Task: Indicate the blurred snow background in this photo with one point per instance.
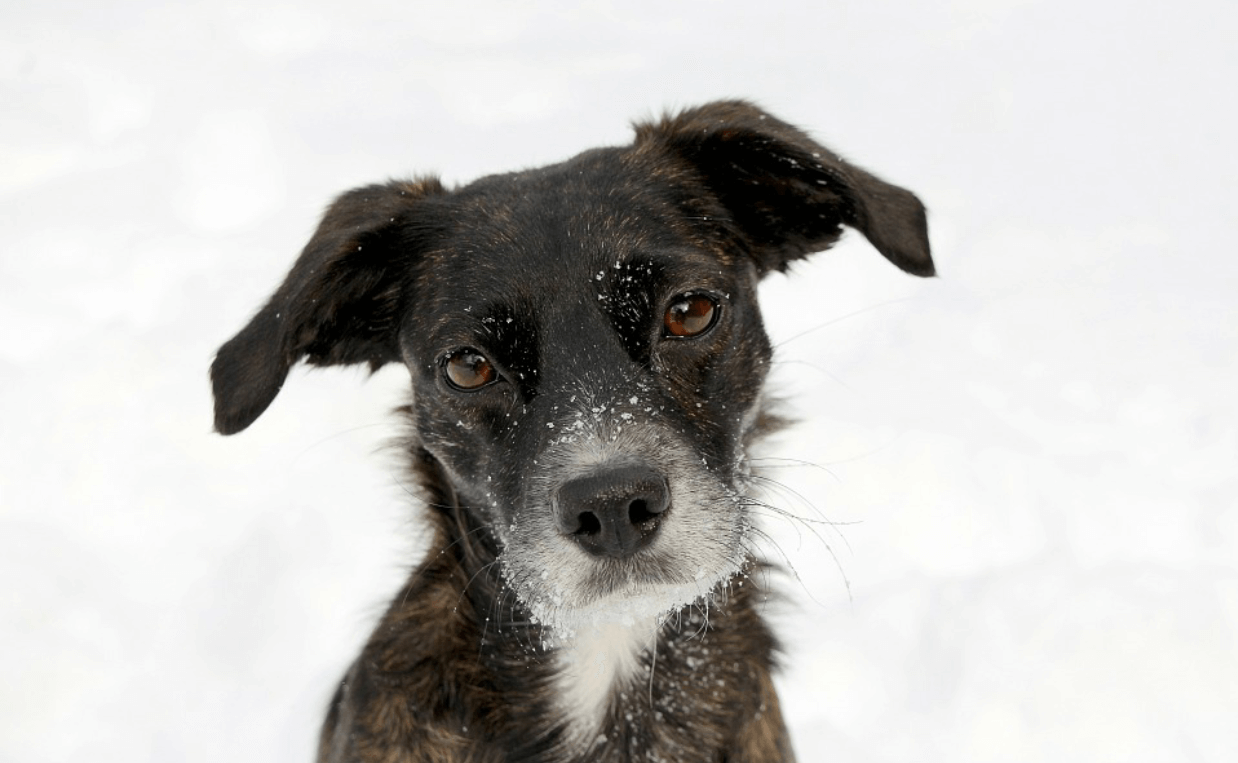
(1033, 458)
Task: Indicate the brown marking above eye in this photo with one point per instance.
(468, 370)
(690, 315)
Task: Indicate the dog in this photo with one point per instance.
(587, 362)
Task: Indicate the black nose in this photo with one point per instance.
(613, 512)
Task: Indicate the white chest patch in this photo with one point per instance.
(596, 662)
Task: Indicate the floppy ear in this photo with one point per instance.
(788, 195)
(340, 303)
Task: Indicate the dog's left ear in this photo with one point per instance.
(340, 303)
(787, 194)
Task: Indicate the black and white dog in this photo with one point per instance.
(587, 360)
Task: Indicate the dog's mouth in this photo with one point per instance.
(648, 583)
(620, 592)
(695, 552)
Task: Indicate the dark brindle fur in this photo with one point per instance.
(587, 361)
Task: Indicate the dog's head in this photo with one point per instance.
(585, 347)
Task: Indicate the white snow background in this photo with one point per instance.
(1033, 457)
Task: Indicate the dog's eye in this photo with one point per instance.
(468, 370)
(690, 315)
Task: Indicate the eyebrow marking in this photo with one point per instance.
(627, 294)
(513, 339)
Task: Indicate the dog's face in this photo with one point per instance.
(584, 342)
(585, 364)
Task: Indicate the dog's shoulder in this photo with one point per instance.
(434, 680)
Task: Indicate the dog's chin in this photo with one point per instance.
(606, 600)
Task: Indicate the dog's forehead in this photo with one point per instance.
(557, 230)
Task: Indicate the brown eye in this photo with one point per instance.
(468, 370)
(690, 315)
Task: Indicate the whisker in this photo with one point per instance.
(653, 663)
(775, 486)
(786, 514)
(336, 435)
(808, 524)
(788, 463)
(483, 570)
(704, 607)
(767, 540)
(824, 371)
(842, 572)
(839, 319)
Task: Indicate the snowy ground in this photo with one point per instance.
(1034, 456)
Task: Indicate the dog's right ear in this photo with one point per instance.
(340, 303)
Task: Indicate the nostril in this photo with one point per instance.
(588, 524)
(639, 513)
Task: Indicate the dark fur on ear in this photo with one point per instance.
(787, 194)
(340, 303)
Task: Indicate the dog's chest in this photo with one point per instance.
(626, 694)
(593, 666)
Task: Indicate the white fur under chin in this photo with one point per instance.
(593, 661)
(627, 608)
(599, 649)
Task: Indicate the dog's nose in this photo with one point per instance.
(614, 512)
